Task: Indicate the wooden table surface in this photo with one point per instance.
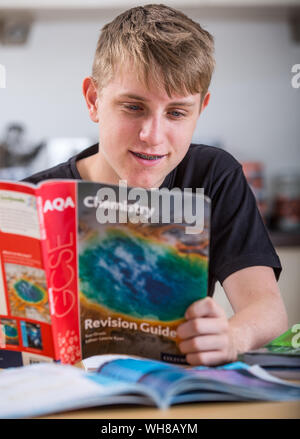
(202, 410)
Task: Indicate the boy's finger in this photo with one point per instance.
(203, 343)
(203, 326)
(206, 307)
(210, 358)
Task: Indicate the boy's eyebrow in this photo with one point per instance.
(140, 98)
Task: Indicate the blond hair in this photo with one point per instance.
(161, 44)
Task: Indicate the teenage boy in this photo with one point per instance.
(149, 84)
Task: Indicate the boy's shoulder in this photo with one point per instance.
(61, 171)
(208, 155)
(204, 166)
(65, 170)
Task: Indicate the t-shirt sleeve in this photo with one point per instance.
(239, 238)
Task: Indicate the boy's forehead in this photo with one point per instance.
(130, 81)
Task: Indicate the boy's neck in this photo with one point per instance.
(89, 169)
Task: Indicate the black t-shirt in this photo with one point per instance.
(239, 238)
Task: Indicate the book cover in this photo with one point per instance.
(136, 279)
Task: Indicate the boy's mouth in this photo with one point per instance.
(147, 156)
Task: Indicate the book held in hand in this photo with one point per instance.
(85, 272)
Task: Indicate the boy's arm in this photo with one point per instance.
(209, 338)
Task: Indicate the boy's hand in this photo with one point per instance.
(206, 338)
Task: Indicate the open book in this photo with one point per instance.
(90, 269)
(50, 388)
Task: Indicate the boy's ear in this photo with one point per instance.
(205, 101)
(90, 94)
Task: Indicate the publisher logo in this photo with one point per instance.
(296, 338)
(2, 76)
(59, 204)
(296, 78)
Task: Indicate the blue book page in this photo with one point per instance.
(168, 380)
(50, 388)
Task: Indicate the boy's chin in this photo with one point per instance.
(136, 182)
(140, 181)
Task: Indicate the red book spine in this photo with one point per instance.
(58, 220)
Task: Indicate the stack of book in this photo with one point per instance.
(280, 357)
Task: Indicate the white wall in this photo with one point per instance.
(254, 111)
(288, 284)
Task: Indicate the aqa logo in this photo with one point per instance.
(59, 204)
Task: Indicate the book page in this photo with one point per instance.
(93, 363)
(25, 321)
(43, 388)
(18, 213)
(49, 388)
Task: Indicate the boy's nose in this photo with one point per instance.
(152, 131)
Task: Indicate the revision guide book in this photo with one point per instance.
(73, 285)
(50, 388)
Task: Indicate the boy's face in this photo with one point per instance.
(143, 133)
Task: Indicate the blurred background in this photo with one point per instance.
(47, 48)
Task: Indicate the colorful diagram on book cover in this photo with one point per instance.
(8, 332)
(27, 292)
(141, 274)
(136, 283)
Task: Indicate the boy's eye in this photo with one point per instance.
(176, 114)
(133, 107)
